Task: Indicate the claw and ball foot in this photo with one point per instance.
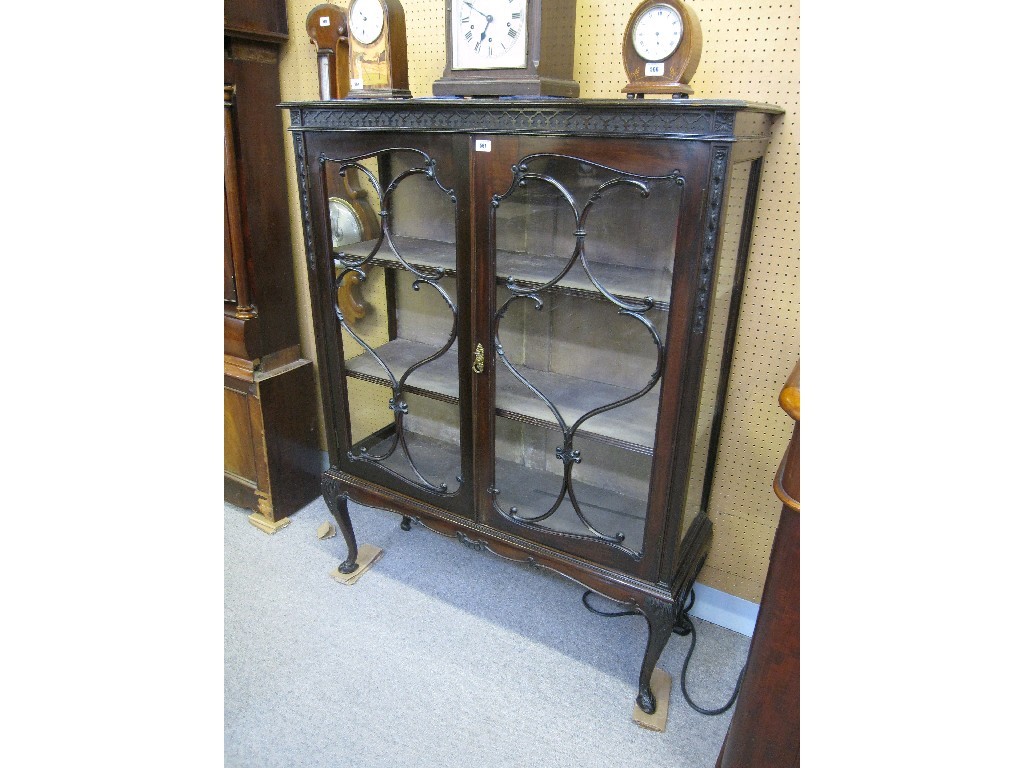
(406, 523)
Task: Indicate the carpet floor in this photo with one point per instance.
(441, 656)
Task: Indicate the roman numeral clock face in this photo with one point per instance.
(488, 34)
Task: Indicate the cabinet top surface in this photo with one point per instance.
(459, 104)
(718, 118)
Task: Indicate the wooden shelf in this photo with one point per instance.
(630, 427)
(438, 379)
(529, 270)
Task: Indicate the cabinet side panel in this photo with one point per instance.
(293, 461)
(718, 321)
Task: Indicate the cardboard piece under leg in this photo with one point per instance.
(661, 687)
(366, 555)
(268, 526)
(326, 531)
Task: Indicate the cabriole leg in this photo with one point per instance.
(338, 504)
(660, 617)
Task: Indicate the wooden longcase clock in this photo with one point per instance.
(509, 48)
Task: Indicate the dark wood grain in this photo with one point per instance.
(389, 51)
(331, 42)
(272, 462)
(256, 19)
(691, 146)
(680, 65)
(765, 729)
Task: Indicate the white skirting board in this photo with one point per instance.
(724, 609)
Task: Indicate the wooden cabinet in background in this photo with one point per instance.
(765, 729)
(271, 456)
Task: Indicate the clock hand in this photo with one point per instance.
(474, 8)
(486, 16)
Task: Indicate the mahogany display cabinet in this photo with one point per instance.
(538, 358)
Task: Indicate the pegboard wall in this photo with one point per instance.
(751, 52)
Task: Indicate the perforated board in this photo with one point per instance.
(751, 52)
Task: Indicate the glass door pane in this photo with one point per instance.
(584, 255)
(393, 242)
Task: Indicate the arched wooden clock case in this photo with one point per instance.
(667, 74)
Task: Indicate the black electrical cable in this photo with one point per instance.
(684, 626)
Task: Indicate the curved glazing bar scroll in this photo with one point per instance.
(357, 265)
(570, 456)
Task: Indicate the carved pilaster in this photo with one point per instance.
(302, 172)
(719, 167)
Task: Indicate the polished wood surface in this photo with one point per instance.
(787, 479)
(382, 66)
(271, 460)
(234, 259)
(765, 729)
(256, 20)
(688, 156)
(350, 298)
(789, 398)
(551, 43)
(328, 32)
(680, 65)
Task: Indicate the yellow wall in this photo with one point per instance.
(751, 51)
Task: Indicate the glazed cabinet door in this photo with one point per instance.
(585, 236)
(390, 227)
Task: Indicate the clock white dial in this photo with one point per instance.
(657, 33)
(366, 20)
(345, 227)
(488, 34)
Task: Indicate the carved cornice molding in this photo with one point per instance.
(622, 120)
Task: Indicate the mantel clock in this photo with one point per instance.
(509, 48)
(378, 66)
(661, 49)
